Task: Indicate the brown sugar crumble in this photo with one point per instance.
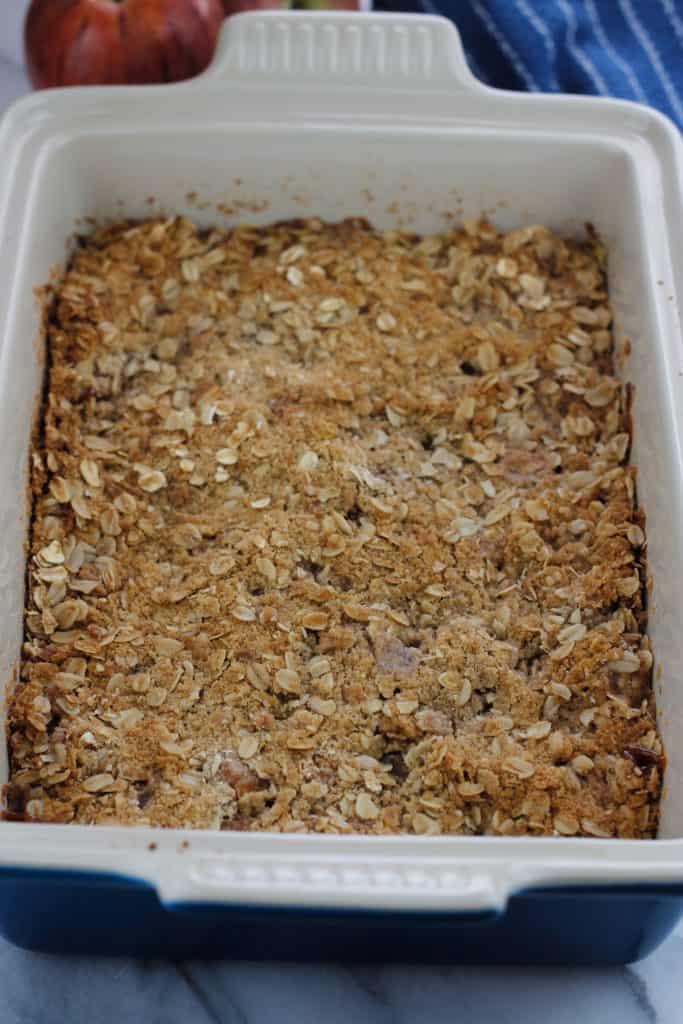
(333, 531)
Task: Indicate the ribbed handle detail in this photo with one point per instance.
(339, 49)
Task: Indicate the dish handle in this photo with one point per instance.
(343, 884)
(401, 53)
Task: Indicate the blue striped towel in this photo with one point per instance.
(627, 48)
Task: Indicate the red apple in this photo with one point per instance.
(111, 42)
(238, 6)
(333, 5)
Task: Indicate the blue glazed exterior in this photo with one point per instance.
(74, 912)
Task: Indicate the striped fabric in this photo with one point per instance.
(627, 48)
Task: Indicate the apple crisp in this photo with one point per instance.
(334, 531)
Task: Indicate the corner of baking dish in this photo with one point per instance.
(371, 70)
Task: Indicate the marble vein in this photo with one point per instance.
(639, 990)
(186, 973)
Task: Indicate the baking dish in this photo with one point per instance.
(337, 115)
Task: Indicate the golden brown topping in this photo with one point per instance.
(333, 531)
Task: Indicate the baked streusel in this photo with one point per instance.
(333, 531)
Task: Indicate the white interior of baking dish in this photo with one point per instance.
(385, 123)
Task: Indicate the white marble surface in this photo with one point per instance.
(45, 989)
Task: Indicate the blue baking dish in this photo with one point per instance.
(350, 115)
(78, 913)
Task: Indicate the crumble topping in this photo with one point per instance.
(334, 531)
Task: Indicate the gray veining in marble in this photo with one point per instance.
(44, 990)
(37, 989)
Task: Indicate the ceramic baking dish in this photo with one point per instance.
(338, 115)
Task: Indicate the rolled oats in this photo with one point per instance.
(334, 532)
